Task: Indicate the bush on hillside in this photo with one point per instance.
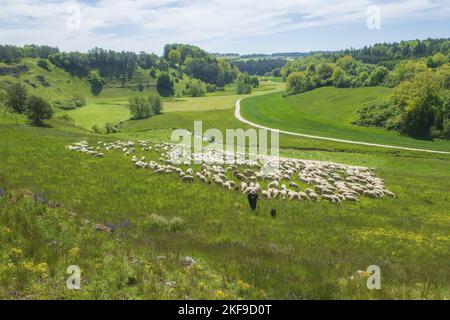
(377, 114)
(16, 97)
(164, 85)
(156, 104)
(139, 108)
(38, 109)
(196, 88)
(44, 64)
(243, 88)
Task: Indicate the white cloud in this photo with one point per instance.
(149, 24)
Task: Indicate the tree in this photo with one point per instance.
(38, 109)
(339, 78)
(174, 57)
(418, 100)
(437, 60)
(378, 75)
(96, 82)
(139, 108)
(296, 83)
(16, 97)
(243, 88)
(156, 104)
(164, 85)
(196, 88)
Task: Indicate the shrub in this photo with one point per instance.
(66, 117)
(38, 109)
(96, 82)
(43, 64)
(110, 128)
(96, 129)
(64, 105)
(164, 85)
(156, 104)
(243, 88)
(140, 108)
(79, 102)
(446, 129)
(376, 113)
(16, 97)
(296, 83)
(211, 88)
(196, 88)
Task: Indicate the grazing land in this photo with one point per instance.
(139, 233)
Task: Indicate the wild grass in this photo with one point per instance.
(309, 251)
(328, 112)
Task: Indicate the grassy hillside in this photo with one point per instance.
(309, 251)
(327, 112)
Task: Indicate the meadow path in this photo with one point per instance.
(238, 116)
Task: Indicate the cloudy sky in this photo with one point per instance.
(242, 26)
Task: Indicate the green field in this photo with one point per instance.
(114, 110)
(309, 251)
(328, 112)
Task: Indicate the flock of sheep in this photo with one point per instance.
(269, 177)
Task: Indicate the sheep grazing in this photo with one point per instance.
(294, 185)
(187, 179)
(273, 184)
(333, 182)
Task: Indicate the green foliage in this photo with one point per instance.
(16, 97)
(38, 109)
(196, 88)
(164, 85)
(96, 81)
(378, 75)
(211, 87)
(201, 65)
(95, 128)
(140, 108)
(437, 60)
(340, 79)
(110, 128)
(378, 113)
(156, 104)
(260, 67)
(64, 105)
(243, 88)
(43, 64)
(297, 83)
(11, 54)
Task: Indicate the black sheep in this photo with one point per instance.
(252, 200)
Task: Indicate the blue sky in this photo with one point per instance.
(242, 26)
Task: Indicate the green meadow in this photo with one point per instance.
(328, 112)
(52, 200)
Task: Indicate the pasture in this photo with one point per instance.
(328, 112)
(309, 251)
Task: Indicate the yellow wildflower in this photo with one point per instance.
(220, 294)
(16, 253)
(5, 230)
(243, 285)
(74, 252)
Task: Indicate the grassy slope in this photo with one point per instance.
(309, 251)
(327, 112)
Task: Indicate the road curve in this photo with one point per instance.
(237, 114)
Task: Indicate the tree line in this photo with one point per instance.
(199, 64)
(260, 67)
(12, 54)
